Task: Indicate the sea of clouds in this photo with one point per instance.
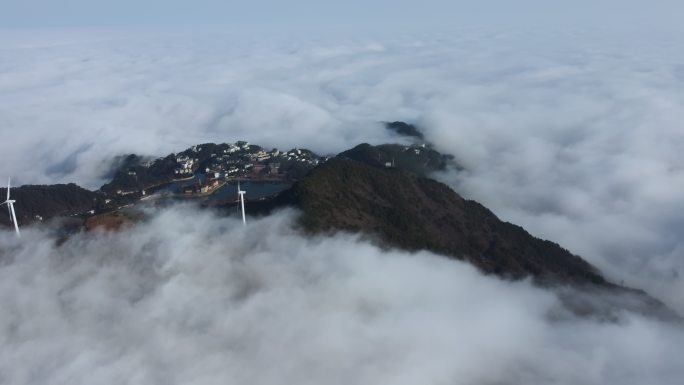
(208, 301)
(574, 135)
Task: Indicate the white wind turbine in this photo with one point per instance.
(10, 207)
(242, 193)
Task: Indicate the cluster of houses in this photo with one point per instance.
(245, 160)
(299, 155)
(209, 186)
(186, 166)
(222, 162)
(257, 162)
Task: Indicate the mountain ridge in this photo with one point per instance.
(393, 202)
(408, 211)
(399, 209)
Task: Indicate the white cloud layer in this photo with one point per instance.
(213, 302)
(574, 135)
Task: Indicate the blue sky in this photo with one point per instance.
(353, 13)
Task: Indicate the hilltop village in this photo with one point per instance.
(202, 170)
(208, 166)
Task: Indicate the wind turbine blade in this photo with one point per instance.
(242, 203)
(14, 218)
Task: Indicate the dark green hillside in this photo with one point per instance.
(50, 201)
(132, 174)
(415, 213)
(419, 159)
(402, 210)
(404, 129)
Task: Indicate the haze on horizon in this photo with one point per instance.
(385, 14)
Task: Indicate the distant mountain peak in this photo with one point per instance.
(404, 129)
(419, 159)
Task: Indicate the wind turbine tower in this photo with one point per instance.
(10, 207)
(242, 193)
